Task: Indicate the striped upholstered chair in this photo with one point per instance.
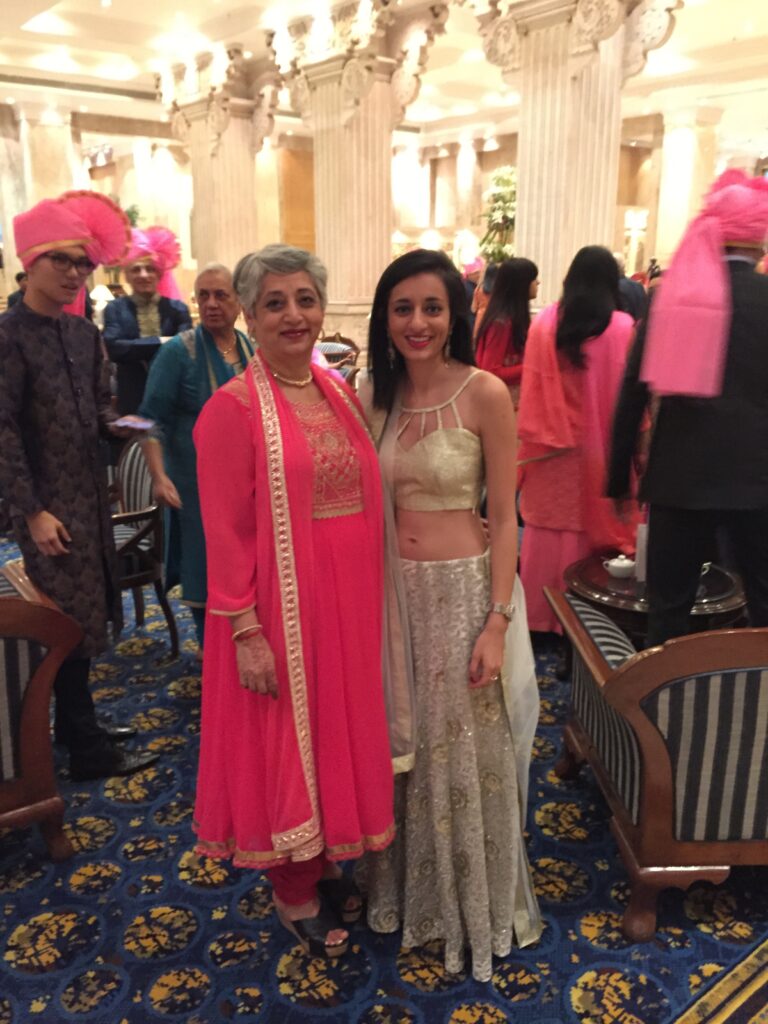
(677, 737)
(138, 531)
(35, 637)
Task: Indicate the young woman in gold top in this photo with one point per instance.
(458, 869)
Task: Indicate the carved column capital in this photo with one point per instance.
(594, 21)
(649, 26)
(263, 117)
(217, 118)
(410, 40)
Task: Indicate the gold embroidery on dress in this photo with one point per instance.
(265, 859)
(289, 602)
(337, 487)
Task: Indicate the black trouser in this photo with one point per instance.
(679, 540)
(76, 724)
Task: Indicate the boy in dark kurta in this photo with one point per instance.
(53, 409)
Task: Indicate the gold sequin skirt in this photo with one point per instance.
(457, 871)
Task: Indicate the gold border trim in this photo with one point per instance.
(290, 605)
(266, 859)
(42, 247)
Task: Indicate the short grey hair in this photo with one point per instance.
(277, 259)
(214, 268)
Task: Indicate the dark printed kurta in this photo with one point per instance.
(54, 404)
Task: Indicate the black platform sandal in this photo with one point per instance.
(312, 933)
(337, 893)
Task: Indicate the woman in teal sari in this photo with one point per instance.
(183, 376)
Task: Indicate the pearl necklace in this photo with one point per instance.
(303, 383)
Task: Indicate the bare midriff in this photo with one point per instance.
(440, 536)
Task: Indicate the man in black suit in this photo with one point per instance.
(632, 294)
(136, 325)
(707, 467)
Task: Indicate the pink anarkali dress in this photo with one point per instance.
(564, 424)
(291, 504)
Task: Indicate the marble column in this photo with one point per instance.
(689, 154)
(349, 105)
(52, 159)
(222, 111)
(568, 59)
(13, 197)
(568, 149)
(224, 211)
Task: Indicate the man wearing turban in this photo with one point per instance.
(54, 408)
(704, 352)
(136, 325)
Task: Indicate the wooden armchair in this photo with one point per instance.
(35, 638)
(138, 531)
(677, 737)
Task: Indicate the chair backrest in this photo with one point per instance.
(715, 725)
(340, 351)
(134, 480)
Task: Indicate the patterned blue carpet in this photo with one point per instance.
(136, 930)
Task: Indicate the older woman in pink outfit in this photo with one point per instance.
(295, 772)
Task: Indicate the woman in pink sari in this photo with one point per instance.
(295, 770)
(572, 371)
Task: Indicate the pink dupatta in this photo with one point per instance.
(283, 465)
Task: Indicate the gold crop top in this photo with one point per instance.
(443, 470)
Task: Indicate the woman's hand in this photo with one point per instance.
(256, 665)
(487, 657)
(165, 492)
(49, 534)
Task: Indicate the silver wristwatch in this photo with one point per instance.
(507, 610)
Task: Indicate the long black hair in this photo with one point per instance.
(589, 300)
(386, 376)
(511, 300)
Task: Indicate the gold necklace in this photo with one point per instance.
(226, 351)
(303, 383)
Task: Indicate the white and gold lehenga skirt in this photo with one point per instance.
(458, 870)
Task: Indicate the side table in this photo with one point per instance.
(720, 601)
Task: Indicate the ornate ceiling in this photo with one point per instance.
(104, 56)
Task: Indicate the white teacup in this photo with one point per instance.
(621, 566)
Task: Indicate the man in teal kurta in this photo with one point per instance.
(183, 376)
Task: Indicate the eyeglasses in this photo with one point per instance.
(62, 262)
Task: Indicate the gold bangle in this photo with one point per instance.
(245, 631)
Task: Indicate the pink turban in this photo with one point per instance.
(161, 246)
(690, 317)
(81, 218)
(473, 267)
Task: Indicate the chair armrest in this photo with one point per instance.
(579, 636)
(126, 518)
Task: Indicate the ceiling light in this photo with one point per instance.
(248, 54)
(106, 3)
(9, 99)
(83, 110)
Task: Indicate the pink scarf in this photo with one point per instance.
(285, 561)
